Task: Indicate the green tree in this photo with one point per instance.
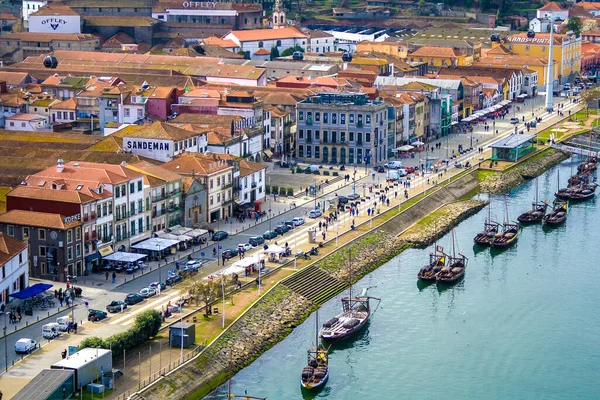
(245, 54)
(574, 24)
(203, 290)
(591, 98)
(274, 53)
(290, 50)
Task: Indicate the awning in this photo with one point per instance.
(405, 148)
(417, 143)
(170, 236)
(155, 244)
(104, 251)
(268, 153)
(92, 257)
(125, 257)
(248, 261)
(274, 249)
(31, 291)
(197, 233)
(180, 231)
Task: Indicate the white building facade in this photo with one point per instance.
(251, 41)
(14, 273)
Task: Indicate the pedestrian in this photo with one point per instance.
(388, 202)
(61, 300)
(75, 327)
(55, 293)
(320, 224)
(224, 258)
(323, 233)
(19, 317)
(114, 277)
(106, 275)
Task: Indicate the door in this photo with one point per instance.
(325, 154)
(196, 216)
(342, 156)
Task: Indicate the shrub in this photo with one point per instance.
(282, 191)
(317, 172)
(290, 192)
(326, 173)
(298, 170)
(147, 325)
(268, 189)
(275, 189)
(335, 173)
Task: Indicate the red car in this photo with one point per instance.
(409, 170)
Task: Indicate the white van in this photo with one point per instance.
(25, 345)
(51, 330)
(63, 322)
(394, 165)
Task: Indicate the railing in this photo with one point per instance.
(87, 237)
(228, 186)
(94, 235)
(92, 216)
(157, 198)
(119, 217)
(174, 192)
(85, 217)
(174, 208)
(225, 202)
(253, 185)
(157, 213)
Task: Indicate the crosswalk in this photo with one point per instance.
(153, 303)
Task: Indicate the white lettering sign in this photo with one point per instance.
(72, 218)
(199, 4)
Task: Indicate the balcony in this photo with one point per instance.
(160, 197)
(92, 216)
(174, 208)
(94, 235)
(253, 185)
(86, 237)
(119, 217)
(225, 202)
(85, 217)
(158, 213)
(174, 192)
(229, 185)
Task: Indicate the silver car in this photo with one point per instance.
(298, 221)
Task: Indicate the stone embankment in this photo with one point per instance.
(426, 231)
(502, 181)
(262, 326)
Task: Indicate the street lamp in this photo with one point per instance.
(159, 274)
(5, 344)
(223, 292)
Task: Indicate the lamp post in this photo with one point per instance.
(223, 292)
(159, 274)
(5, 344)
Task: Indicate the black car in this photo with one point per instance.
(229, 253)
(380, 169)
(269, 235)
(173, 279)
(219, 235)
(133, 298)
(116, 306)
(256, 240)
(342, 200)
(96, 315)
(353, 196)
(282, 228)
(289, 224)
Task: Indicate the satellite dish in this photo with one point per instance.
(50, 62)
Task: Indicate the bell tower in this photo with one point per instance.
(278, 19)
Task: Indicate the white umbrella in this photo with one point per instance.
(418, 143)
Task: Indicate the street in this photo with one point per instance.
(99, 296)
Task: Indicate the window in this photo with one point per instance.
(43, 251)
(140, 225)
(70, 253)
(343, 136)
(359, 158)
(117, 192)
(333, 137)
(317, 116)
(342, 118)
(78, 251)
(41, 234)
(260, 44)
(123, 190)
(308, 151)
(301, 115)
(367, 137)
(351, 136)
(131, 188)
(317, 152)
(211, 183)
(78, 233)
(351, 118)
(69, 236)
(132, 230)
(317, 135)
(25, 233)
(140, 206)
(301, 134)
(21, 258)
(300, 151)
(139, 184)
(325, 118)
(368, 118)
(126, 112)
(10, 230)
(333, 118)
(278, 43)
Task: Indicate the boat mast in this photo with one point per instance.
(506, 221)
(536, 190)
(317, 330)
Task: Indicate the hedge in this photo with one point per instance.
(267, 189)
(290, 192)
(275, 189)
(282, 191)
(326, 173)
(299, 170)
(146, 325)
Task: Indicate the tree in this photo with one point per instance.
(245, 54)
(205, 290)
(590, 97)
(274, 53)
(589, 24)
(290, 50)
(574, 24)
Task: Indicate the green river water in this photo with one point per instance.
(523, 323)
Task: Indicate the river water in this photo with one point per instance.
(523, 324)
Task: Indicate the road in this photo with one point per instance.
(98, 298)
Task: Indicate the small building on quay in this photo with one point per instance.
(513, 147)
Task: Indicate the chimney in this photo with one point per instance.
(60, 165)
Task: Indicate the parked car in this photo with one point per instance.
(148, 292)
(353, 196)
(50, 331)
(25, 346)
(298, 221)
(394, 165)
(256, 240)
(155, 285)
(229, 253)
(173, 279)
(219, 235)
(409, 170)
(245, 246)
(281, 229)
(314, 214)
(289, 224)
(342, 200)
(514, 120)
(133, 298)
(96, 315)
(533, 123)
(192, 265)
(268, 235)
(379, 168)
(116, 306)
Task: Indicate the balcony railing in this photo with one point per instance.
(85, 217)
(94, 235)
(174, 192)
(119, 217)
(253, 185)
(225, 202)
(92, 216)
(157, 198)
(87, 237)
(174, 208)
(157, 213)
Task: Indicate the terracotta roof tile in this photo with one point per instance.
(430, 51)
(250, 167)
(68, 104)
(262, 52)
(37, 219)
(552, 6)
(215, 41)
(197, 164)
(45, 193)
(10, 247)
(54, 9)
(155, 171)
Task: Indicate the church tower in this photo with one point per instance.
(278, 20)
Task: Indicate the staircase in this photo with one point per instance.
(314, 284)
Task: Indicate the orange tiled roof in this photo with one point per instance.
(10, 247)
(262, 52)
(45, 193)
(587, 5)
(430, 51)
(38, 219)
(196, 164)
(68, 104)
(552, 6)
(215, 41)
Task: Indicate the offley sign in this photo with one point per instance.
(54, 23)
(199, 4)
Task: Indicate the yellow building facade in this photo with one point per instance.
(391, 48)
(439, 57)
(567, 52)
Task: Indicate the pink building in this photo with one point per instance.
(160, 101)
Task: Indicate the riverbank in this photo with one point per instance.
(537, 164)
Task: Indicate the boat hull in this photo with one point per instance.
(315, 385)
(331, 339)
(452, 279)
(502, 245)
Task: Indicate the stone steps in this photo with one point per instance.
(314, 284)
